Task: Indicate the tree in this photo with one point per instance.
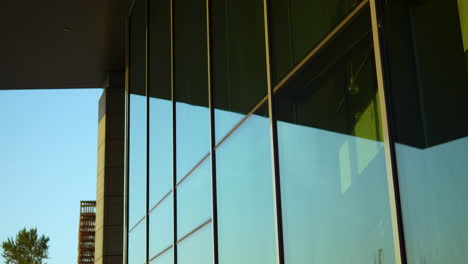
(27, 248)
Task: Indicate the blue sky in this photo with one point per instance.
(48, 145)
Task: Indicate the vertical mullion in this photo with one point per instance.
(126, 189)
(214, 197)
(146, 4)
(274, 142)
(390, 157)
(127, 137)
(174, 134)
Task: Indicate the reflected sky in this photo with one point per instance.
(429, 106)
(190, 84)
(334, 190)
(161, 227)
(331, 155)
(160, 148)
(245, 199)
(433, 185)
(166, 258)
(334, 185)
(335, 197)
(225, 122)
(193, 136)
(198, 248)
(194, 199)
(137, 245)
(137, 159)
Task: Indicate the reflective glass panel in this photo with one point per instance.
(429, 98)
(137, 244)
(238, 60)
(245, 200)
(166, 258)
(161, 227)
(137, 117)
(191, 84)
(332, 162)
(297, 26)
(197, 248)
(194, 199)
(160, 104)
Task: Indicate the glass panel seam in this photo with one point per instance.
(159, 254)
(159, 202)
(192, 170)
(194, 230)
(251, 112)
(136, 225)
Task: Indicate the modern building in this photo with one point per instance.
(87, 232)
(268, 131)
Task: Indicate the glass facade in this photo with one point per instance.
(297, 131)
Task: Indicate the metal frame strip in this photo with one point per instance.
(193, 169)
(194, 230)
(214, 192)
(147, 205)
(159, 202)
(274, 143)
(392, 180)
(126, 135)
(136, 224)
(174, 143)
(160, 253)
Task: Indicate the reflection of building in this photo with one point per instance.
(86, 233)
(268, 131)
